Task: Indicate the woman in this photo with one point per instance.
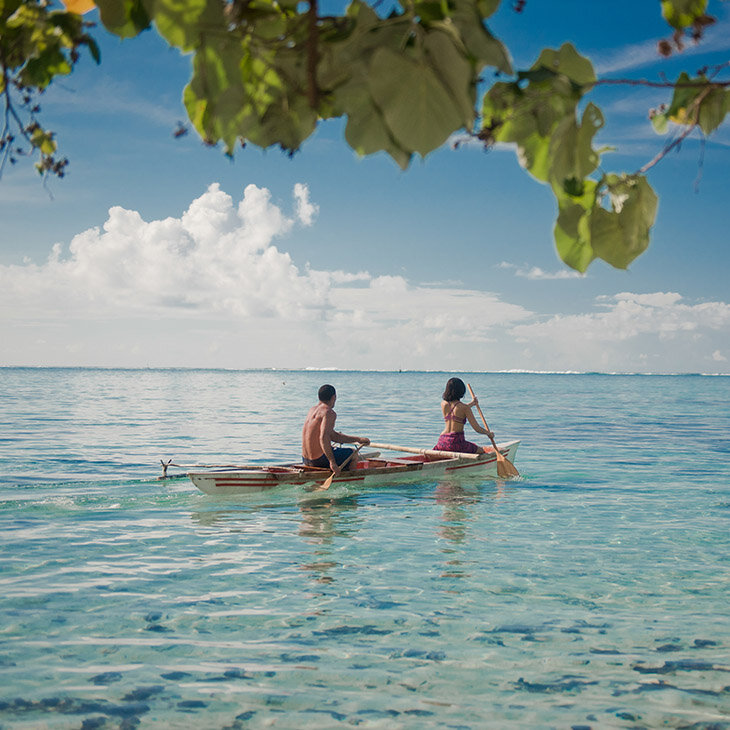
(456, 414)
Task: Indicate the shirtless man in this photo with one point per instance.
(319, 433)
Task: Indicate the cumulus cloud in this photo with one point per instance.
(217, 266)
(216, 257)
(627, 326)
(211, 289)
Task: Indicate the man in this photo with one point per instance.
(319, 433)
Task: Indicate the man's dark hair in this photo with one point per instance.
(455, 390)
(326, 392)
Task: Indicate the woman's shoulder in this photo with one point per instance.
(454, 406)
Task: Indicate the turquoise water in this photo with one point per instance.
(591, 592)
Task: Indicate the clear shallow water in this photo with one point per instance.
(592, 592)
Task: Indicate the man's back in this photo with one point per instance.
(317, 425)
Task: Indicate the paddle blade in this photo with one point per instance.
(505, 468)
(325, 485)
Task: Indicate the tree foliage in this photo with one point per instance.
(265, 72)
(37, 44)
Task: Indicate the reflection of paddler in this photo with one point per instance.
(456, 414)
(319, 433)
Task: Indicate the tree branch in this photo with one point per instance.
(657, 84)
(680, 138)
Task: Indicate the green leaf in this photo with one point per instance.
(531, 117)
(41, 70)
(713, 110)
(683, 97)
(430, 11)
(93, 49)
(569, 62)
(487, 7)
(182, 22)
(660, 122)
(125, 18)
(571, 239)
(572, 228)
(618, 236)
(571, 147)
(482, 46)
(43, 141)
(416, 107)
(454, 72)
(366, 131)
(346, 59)
(682, 14)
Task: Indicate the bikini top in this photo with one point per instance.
(451, 417)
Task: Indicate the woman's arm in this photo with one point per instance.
(476, 426)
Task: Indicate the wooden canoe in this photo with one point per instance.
(371, 469)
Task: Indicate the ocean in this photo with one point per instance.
(590, 592)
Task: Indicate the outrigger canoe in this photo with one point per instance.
(371, 469)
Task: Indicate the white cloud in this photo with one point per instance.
(110, 96)
(210, 289)
(679, 336)
(216, 268)
(536, 273)
(215, 258)
(306, 211)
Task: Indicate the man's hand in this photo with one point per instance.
(362, 440)
(336, 469)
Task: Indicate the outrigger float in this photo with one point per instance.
(370, 469)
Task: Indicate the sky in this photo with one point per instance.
(156, 251)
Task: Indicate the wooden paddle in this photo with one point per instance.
(505, 468)
(427, 452)
(328, 483)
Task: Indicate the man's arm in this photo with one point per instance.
(342, 438)
(327, 434)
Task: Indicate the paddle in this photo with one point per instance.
(426, 452)
(328, 483)
(505, 468)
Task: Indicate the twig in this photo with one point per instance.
(685, 133)
(656, 84)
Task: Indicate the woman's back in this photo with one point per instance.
(454, 415)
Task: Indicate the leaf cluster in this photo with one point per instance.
(266, 72)
(608, 217)
(36, 45)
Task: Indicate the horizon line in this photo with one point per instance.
(510, 371)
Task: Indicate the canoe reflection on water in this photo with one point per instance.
(322, 521)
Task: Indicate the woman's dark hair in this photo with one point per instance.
(326, 392)
(455, 390)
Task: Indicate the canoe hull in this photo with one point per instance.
(369, 472)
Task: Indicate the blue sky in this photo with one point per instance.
(327, 260)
